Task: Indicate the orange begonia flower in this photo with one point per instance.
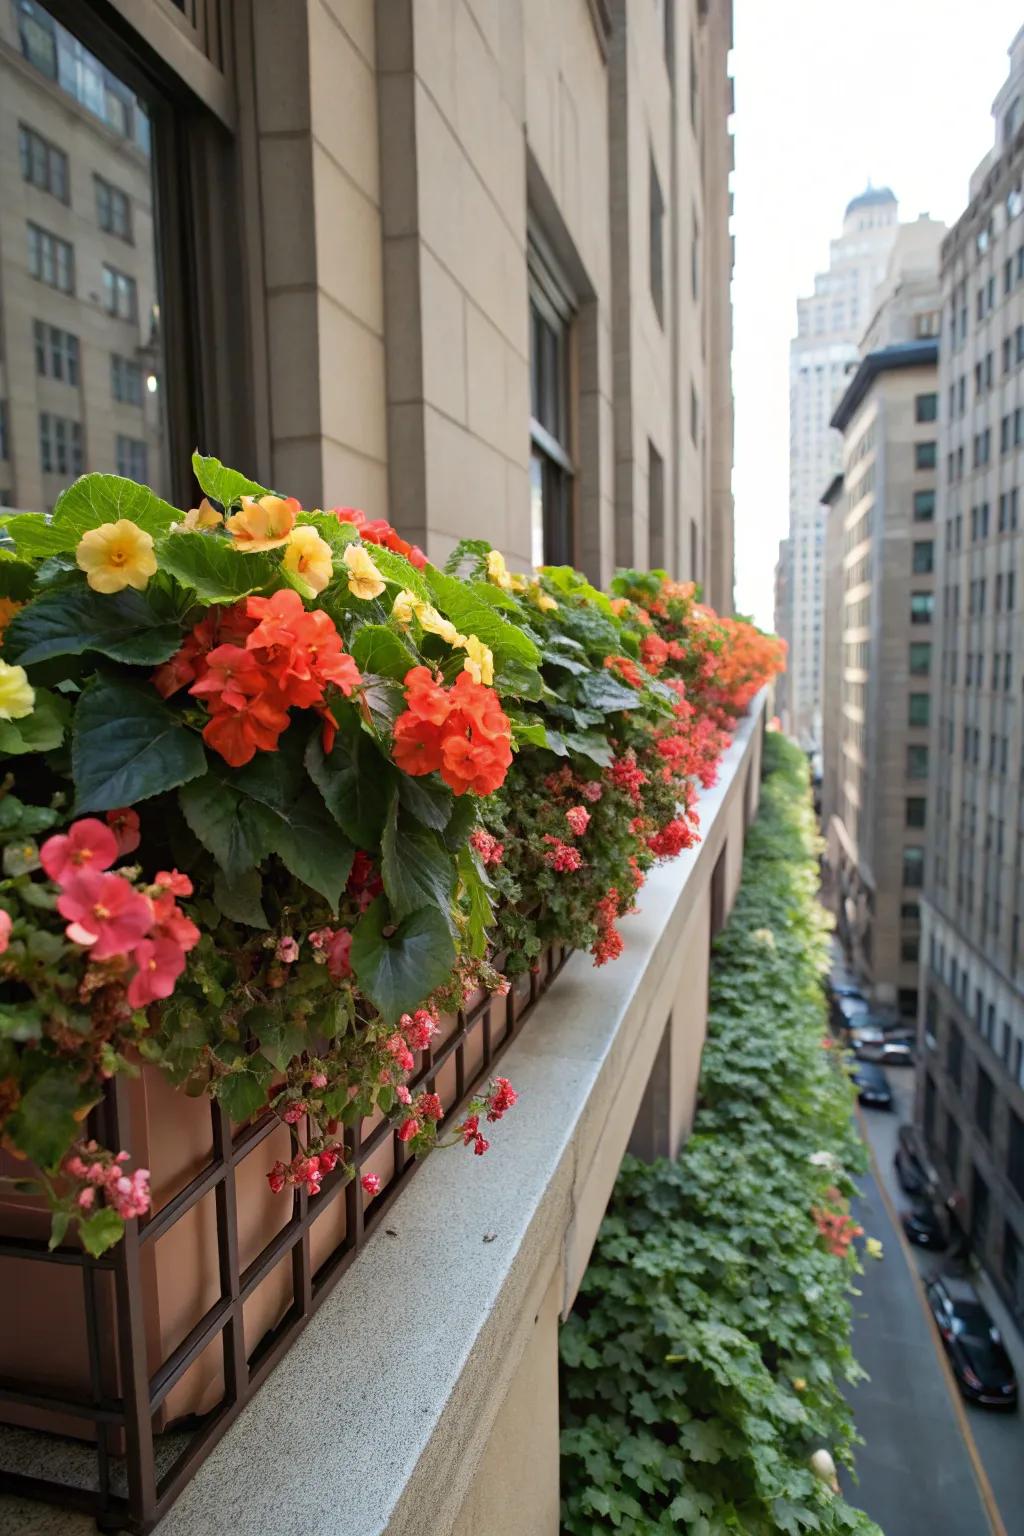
(265, 523)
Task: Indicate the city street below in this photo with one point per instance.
(928, 1459)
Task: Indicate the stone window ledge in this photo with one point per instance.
(381, 1417)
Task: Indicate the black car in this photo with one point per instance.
(846, 1010)
(971, 1340)
(924, 1226)
(911, 1160)
(872, 1085)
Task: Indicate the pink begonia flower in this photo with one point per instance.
(170, 922)
(408, 1128)
(287, 949)
(86, 1198)
(402, 1094)
(419, 1029)
(124, 824)
(174, 882)
(338, 946)
(130, 1195)
(6, 924)
(578, 818)
(104, 913)
(89, 844)
(319, 1080)
(160, 962)
(371, 1183)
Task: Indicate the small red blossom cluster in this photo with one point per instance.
(578, 819)
(100, 1175)
(491, 851)
(837, 1228)
(627, 669)
(331, 947)
(499, 1099)
(670, 840)
(113, 919)
(461, 732)
(560, 856)
(626, 775)
(424, 1108)
(305, 1168)
(253, 663)
(377, 531)
(654, 653)
(609, 939)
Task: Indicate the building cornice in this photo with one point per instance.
(903, 354)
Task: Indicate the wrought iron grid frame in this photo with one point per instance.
(123, 1396)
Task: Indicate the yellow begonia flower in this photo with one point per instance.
(263, 524)
(873, 1247)
(364, 579)
(479, 661)
(8, 608)
(198, 518)
(115, 556)
(309, 556)
(436, 624)
(539, 598)
(799, 1384)
(17, 696)
(404, 607)
(497, 570)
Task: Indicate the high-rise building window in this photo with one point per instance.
(51, 260)
(916, 811)
(955, 1053)
(1015, 1153)
(913, 868)
(125, 380)
(43, 164)
(551, 467)
(917, 761)
(926, 407)
(923, 557)
(921, 606)
(120, 294)
(919, 708)
(113, 209)
(656, 242)
(60, 445)
(924, 506)
(131, 458)
(924, 455)
(984, 1097)
(655, 505)
(920, 658)
(56, 353)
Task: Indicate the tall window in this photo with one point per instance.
(924, 455)
(913, 868)
(924, 506)
(919, 708)
(50, 259)
(113, 209)
(553, 539)
(120, 294)
(984, 1097)
(96, 314)
(656, 244)
(920, 659)
(955, 1053)
(131, 458)
(923, 557)
(921, 605)
(926, 407)
(56, 352)
(655, 506)
(43, 165)
(917, 762)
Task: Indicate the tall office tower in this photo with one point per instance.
(971, 1077)
(822, 355)
(783, 620)
(879, 563)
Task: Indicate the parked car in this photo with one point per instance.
(847, 1008)
(924, 1226)
(911, 1161)
(840, 987)
(895, 1050)
(872, 1085)
(972, 1343)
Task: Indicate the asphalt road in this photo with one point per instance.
(927, 1455)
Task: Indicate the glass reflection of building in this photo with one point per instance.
(80, 354)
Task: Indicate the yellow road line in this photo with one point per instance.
(987, 1496)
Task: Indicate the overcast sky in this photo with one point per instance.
(829, 94)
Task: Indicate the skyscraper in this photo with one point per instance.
(822, 355)
(971, 1077)
(880, 556)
